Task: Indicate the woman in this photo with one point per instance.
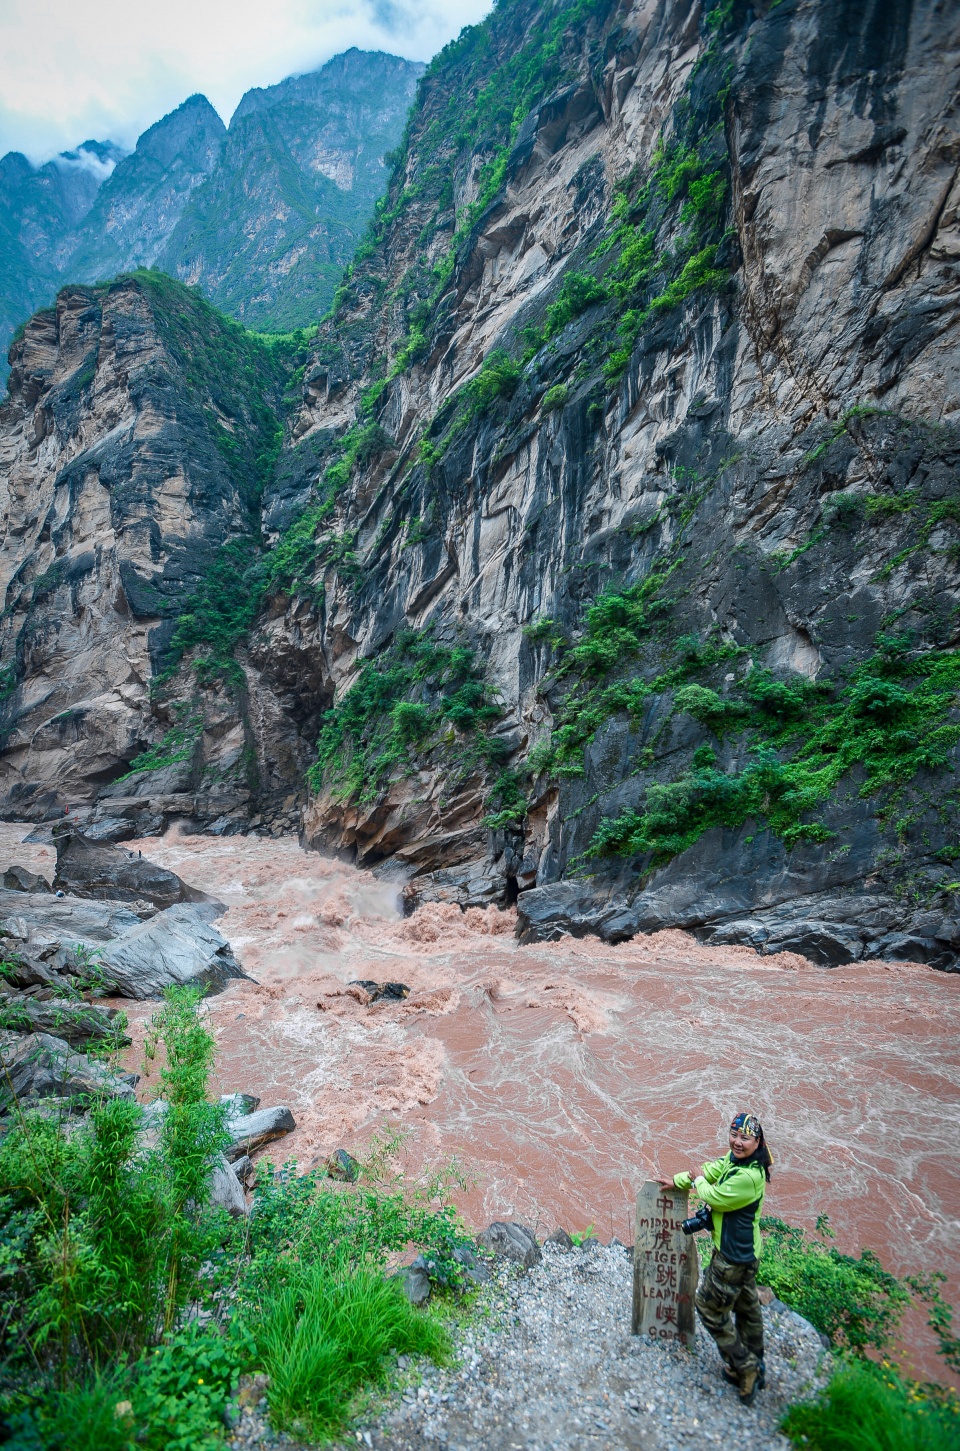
(727, 1300)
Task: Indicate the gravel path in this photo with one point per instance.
(548, 1364)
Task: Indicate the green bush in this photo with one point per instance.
(555, 397)
(854, 1301)
(105, 1240)
(109, 1253)
(397, 706)
(866, 1409)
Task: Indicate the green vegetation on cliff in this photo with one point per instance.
(419, 699)
(233, 376)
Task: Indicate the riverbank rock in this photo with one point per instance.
(21, 879)
(88, 868)
(414, 1281)
(251, 1131)
(75, 1022)
(31, 916)
(178, 945)
(226, 1190)
(38, 1065)
(512, 1242)
(730, 904)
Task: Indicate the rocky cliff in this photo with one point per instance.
(302, 166)
(611, 558)
(137, 431)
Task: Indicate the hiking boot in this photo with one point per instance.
(733, 1376)
(749, 1385)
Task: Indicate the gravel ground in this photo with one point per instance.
(548, 1364)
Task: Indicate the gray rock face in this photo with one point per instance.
(699, 529)
(511, 1242)
(38, 1065)
(226, 1189)
(99, 417)
(251, 1131)
(98, 869)
(41, 917)
(177, 946)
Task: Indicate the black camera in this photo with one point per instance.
(703, 1219)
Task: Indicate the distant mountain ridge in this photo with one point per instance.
(262, 216)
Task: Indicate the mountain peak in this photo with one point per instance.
(193, 126)
(316, 86)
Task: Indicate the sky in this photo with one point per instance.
(107, 69)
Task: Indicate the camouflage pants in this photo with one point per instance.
(728, 1304)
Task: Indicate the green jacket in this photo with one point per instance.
(734, 1191)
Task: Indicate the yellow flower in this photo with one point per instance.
(199, 1380)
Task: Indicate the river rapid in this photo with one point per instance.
(560, 1076)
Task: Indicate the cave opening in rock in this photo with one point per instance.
(511, 891)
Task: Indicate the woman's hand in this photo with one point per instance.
(666, 1184)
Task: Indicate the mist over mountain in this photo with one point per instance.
(263, 216)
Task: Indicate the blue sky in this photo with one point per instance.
(107, 69)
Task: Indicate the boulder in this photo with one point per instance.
(20, 879)
(69, 918)
(99, 869)
(253, 1130)
(511, 1242)
(474, 1269)
(239, 1104)
(415, 1283)
(226, 1190)
(38, 1065)
(559, 1239)
(110, 828)
(178, 945)
(245, 1171)
(343, 1166)
(66, 1018)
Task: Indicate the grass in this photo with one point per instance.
(868, 1409)
(322, 1335)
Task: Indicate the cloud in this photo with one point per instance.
(107, 69)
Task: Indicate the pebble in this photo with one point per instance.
(547, 1363)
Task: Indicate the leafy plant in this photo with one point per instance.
(555, 397)
(853, 1300)
(866, 1408)
(396, 708)
(106, 1240)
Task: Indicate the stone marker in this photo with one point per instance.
(665, 1267)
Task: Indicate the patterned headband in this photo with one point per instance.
(748, 1124)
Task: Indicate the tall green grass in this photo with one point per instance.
(323, 1335)
(863, 1409)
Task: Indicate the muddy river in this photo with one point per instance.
(560, 1076)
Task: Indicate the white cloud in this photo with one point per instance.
(107, 69)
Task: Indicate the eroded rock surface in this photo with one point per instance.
(623, 493)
